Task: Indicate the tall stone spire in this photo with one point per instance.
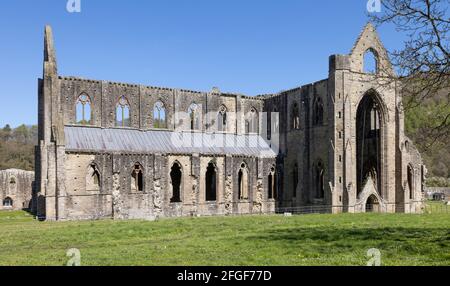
(50, 66)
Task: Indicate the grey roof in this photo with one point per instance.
(89, 139)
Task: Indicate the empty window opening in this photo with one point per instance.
(318, 112)
(176, 176)
(159, 116)
(320, 180)
(194, 117)
(252, 122)
(123, 118)
(137, 179)
(211, 183)
(83, 112)
(370, 64)
(222, 119)
(272, 184)
(243, 182)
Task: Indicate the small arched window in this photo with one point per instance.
(12, 181)
(159, 116)
(243, 182)
(319, 177)
(318, 112)
(123, 118)
(137, 179)
(83, 113)
(176, 177)
(252, 122)
(8, 202)
(93, 178)
(211, 182)
(272, 184)
(222, 119)
(370, 62)
(194, 117)
(295, 120)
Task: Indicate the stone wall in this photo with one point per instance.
(16, 186)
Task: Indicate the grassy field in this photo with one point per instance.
(254, 240)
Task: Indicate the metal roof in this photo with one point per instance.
(89, 139)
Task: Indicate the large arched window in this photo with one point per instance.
(137, 179)
(194, 117)
(272, 184)
(176, 177)
(159, 116)
(318, 112)
(252, 122)
(295, 120)
(370, 62)
(83, 110)
(294, 180)
(368, 142)
(8, 202)
(243, 182)
(319, 177)
(123, 118)
(211, 183)
(222, 119)
(93, 178)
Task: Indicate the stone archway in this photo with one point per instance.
(372, 204)
(369, 141)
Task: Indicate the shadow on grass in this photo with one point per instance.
(440, 236)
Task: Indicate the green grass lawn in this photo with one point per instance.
(252, 240)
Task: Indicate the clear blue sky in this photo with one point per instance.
(246, 46)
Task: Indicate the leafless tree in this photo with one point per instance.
(423, 64)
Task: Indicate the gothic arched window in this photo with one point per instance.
(370, 62)
(222, 119)
(318, 112)
(123, 113)
(159, 116)
(83, 110)
(252, 122)
(243, 182)
(194, 117)
(211, 183)
(176, 177)
(319, 177)
(272, 184)
(137, 179)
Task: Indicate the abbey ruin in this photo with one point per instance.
(126, 151)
